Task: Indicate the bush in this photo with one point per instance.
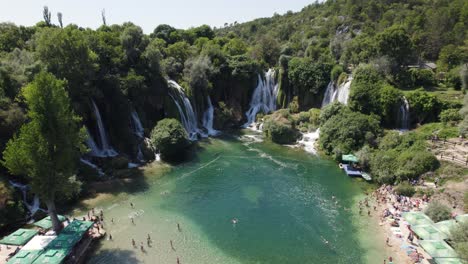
(459, 236)
(438, 212)
(450, 116)
(279, 128)
(336, 72)
(405, 189)
(422, 77)
(331, 110)
(170, 138)
(348, 131)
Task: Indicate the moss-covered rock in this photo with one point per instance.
(279, 127)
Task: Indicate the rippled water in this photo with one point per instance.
(282, 198)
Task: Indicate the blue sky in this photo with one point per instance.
(146, 13)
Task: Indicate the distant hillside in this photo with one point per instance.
(348, 29)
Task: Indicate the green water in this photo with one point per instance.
(281, 196)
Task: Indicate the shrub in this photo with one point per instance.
(459, 235)
(336, 72)
(170, 138)
(438, 212)
(422, 77)
(348, 131)
(331, 110)
(279, 128)
(450, 116)
(405, 189)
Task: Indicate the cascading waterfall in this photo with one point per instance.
(328, 97)
(208, 118)
(340, 93)
(187, 115)
(106, 149)
(308, 141)
(137, 126)
(343, 91)
(92, 165)
(33, 206)
(140, 132)
(403, 114)
(263, 97)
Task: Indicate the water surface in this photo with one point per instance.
(292, 207)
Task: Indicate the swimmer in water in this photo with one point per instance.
(178, 227)
(234, 221)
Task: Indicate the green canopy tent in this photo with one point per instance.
(438, 249)
(448, 261)
(77, 227)
(429, 232)
(52, 256)
(349, 158)
(446, 226)
(417, 218)
(46, 223)
(19, 237)
(64, 241)
(25, 257)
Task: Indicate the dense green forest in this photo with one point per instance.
(417, 49)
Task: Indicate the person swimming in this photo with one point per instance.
(234, 221)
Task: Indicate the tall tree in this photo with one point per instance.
(48, 147)
(103, 15)
(47, 15)
(59, 17)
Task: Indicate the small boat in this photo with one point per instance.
(366, 176)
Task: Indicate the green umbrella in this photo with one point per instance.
(438, 249)
(446, 226)
(25, 257)
(349, 158)
(46, 223)
(19, 237)
(448, 261)
(429, 232)
(417, 218)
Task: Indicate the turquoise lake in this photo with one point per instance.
(291, 207)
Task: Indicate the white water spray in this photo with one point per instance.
(187, 115)
(340, 93)
(308, 141)
(137, 126)
(33, 206)
(404, 114)
(263, 97)
(208, 119)
(106, 149)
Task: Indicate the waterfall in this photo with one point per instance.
(403, 114)
(340, 93)
(343, 91)
(208, 119)
(105, 150)
(187, 115)
(137, 126)
(308, 141)
(263, 97)
(33, 206)
(328, 97)
(92, 165)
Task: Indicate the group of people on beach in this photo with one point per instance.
(394, 206)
